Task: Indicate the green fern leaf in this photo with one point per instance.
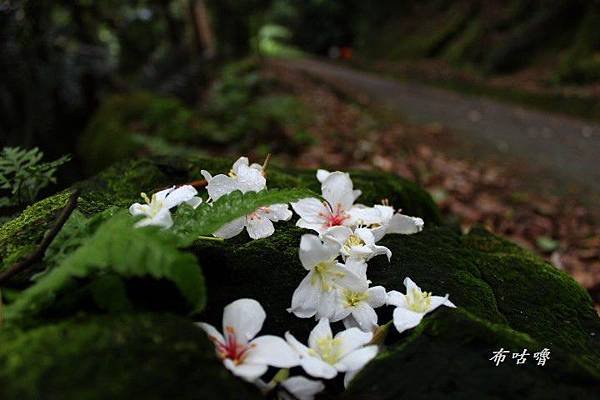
(208, 218)
(117, 248)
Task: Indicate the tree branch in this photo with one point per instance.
(43, 246)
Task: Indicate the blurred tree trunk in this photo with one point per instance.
(202, 29)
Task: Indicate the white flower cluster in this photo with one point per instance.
(336, 287)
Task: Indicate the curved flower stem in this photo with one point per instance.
(266, 163)
(213, 238)
(381, 333)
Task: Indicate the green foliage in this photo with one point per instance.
(245, 109)
(23, 174)
(117, 130)
(76, 231)
(116, 248)
(206, 219)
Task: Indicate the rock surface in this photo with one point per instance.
(506, 297)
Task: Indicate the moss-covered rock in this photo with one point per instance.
(448, 356)
(27, 229)
(507, 297)
(124, 357)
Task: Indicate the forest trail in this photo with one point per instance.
(564, 147)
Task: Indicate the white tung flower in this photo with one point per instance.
(246, 178)
(337, 190)
(242, 353)
(326, 355)
(316, 294)
(382, 220)
(357, 306)
(412, 306)
(356, 244)
(157, 209)
(242, 177)
(259, 224)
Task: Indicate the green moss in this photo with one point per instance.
(143, 356)
(29, 227)
(448, 356)
(109, 137)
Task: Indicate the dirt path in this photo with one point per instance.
(563, 147)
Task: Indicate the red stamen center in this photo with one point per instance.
(336, 217)
(231, 349)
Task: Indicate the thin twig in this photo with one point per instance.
(1, 310)
(199, 183)
(38, 254)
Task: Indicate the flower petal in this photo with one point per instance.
(395, 298)
(405, 225)
(277, 212)
(139, 209)
(357, 359)
(259, 227)
(250, 179)
(349, 376)
(318, 368)
(338, 234)
(357, 266)
(347, 279)
(249, 372)
(273, 351)
(361, 215)
(295, 344)
(221, 185)
(410, 285)
(322, 174)
(162, 195)
(320, 331)
(303, 388)
(312, 251)
(311, 210)
(305, 298)
(238, 163)
(180, 195)
(328, 302)
(231, 229)
(245, 317)
(352, 339)
(194, 202)
(212, 332)
(365, 316)
(162, 219)
(206, 175)
(406, 319)
(319, 228)
(377, 296)
(337, 190)
(437, 301)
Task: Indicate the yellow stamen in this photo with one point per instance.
(325, 273)
(329, 349)
(352, 299)
(353, 240)
(418, 301)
